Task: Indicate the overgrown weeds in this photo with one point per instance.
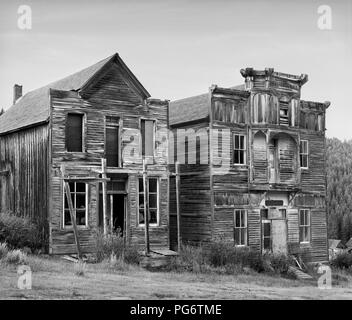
(224, 258)
(19, 232)
(113, 245)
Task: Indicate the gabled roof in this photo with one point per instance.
(34, 107)
(192, 108)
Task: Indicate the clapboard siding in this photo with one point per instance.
(24, 188)
(113, 96)
(269, 112)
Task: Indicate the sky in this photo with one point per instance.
(179, 48)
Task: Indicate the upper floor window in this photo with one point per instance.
(78, 192)
(304, 225)
(239, 150)
(74, 132)
(240, 227)
(112, 141)
(147, 132)
(153, 201)
(303, 154)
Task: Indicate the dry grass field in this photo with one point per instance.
(55, 278)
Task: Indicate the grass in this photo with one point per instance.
(55, 278)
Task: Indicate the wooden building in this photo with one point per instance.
(252, 166)
(64, 130)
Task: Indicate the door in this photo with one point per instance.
(274, 230)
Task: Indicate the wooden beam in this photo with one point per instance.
(73, 218)
(146, 207)
(177, 173)
(85, 179)
(103, 174)
(111, 213)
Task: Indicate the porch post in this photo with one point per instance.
(105, 216)
(146, 207)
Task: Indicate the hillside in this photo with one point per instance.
(339, 182)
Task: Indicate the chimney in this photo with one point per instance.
(17, 92)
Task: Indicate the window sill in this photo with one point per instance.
(142, 226)
(70, 228)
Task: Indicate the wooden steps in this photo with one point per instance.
(300, 274)
(157, 259)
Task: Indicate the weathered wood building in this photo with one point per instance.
(252, 166)
(63, 130)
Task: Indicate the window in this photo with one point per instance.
(304, 225)
(153, 201)
(147, 132)
(284, 114)
(240, 230)
(79, 198)
(112, 141)
(239, 156)
(74, 132)
(303, 154)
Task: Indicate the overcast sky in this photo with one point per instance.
(180, 48)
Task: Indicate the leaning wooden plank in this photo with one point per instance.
(73, 218)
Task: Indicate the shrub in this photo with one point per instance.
(3, 250)
(113, 244)
(131, 255)
(19, 232)
(280, 263)
(15, 257)
(342, 261)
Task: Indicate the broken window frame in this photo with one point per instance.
(243, 226)
(140, 207)
(240, 151)
(67, 128)
(304, 154)
(113, 122)
(143, 140)
(305, 228)
(74, 194)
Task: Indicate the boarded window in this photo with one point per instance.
(303, 154)
(74, 132)
(78, 191)
(112, 142)
(240, 229)
(260, 110)
(239, 150)
(231, 111)
(284, 113)
(304, 225)
(147, 132)
(153, 201)
(293, 121)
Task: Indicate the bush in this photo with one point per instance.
(15, 257)
(113, 244)
(3, 250)
(342, 261)
(19, 232)
(280, 263)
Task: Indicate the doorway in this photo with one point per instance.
(274, 230)
(117, 207)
